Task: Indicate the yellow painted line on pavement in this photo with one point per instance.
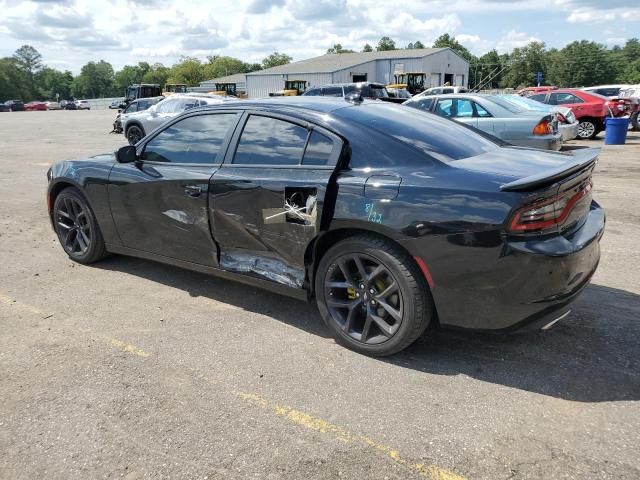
(128, 347)
(12, 302)
(303, 419)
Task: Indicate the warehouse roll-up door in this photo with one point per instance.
(459, 80)
(435, 80)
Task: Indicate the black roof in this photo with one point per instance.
(316, 104)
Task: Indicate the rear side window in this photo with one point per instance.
(191, 140)
(540, 97)
(563, 98)
(171, 105)
(314, 92)
(318, 151)
(332, 91)
(440, 139)
(270, 141)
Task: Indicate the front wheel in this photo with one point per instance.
(134, 134)
(77, 228)
(372, 296)
(587, 129)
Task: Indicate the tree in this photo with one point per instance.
(582, 63)
(445, 40)
(221, 66)
(157, 73)
(385, 44)
(486, 71)
(337, 48)
(525, 63)
(29, 60)
(188, 70)
(130, 74)
(50, 82)
(95, 80)
(276, 59)
(13, 81)
(415, 45)
(628, 61)
(367, 48)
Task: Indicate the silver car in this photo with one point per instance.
(501, 119)
(138, 124)
(567, 121)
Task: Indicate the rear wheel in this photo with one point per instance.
(587, 129)
(134, 134)
(77, 228)
(372, 296)
(635, 123)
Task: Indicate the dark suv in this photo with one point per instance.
(15, 105)
(365, 89)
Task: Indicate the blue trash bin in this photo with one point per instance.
(616, 131)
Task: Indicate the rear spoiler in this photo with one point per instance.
(579, 160)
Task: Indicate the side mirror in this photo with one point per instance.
(126, 154)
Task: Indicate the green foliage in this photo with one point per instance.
(367, 48)
(337, 48)
(157, 73)
(445, 40)
(96, 80)
(581, 64)
(29, 60)
(130, 74)
(188, 70)
(386, 44)
(51, 81)
(221, 66)
(525, 63)
(276, 59)
(13, 81)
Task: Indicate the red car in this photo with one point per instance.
(590, 109)
(528, 91)
(35, 106)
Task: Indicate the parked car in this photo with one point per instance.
(139, 105)
(136, 125)
(397, 92)
(15, 105)
(4, 108)
(609, 91)
(115, 104)
(590, 109)
(391, 219)
(83, 105)
(528, 91)
(633, 94)
(375, 91)
(444, 90)
(32, 106)
(53, 105)
(567, 122)
(68, 105)
(502, 119)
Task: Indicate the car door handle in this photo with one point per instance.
(193, 190)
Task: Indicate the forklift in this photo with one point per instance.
(140, 90)
(413, 82)
(292, 88)
(171, 88)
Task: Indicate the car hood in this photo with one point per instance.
(514, 163)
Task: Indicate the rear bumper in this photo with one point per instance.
(492, 283)
(543, 142)
(568, 131)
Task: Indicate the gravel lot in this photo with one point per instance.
(131, 369)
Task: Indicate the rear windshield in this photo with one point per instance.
(516, 103)
(438, 137)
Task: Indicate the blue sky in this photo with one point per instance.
(70, 33)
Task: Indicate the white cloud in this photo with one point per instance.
(514, 39)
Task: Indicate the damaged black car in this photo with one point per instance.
(391, 219)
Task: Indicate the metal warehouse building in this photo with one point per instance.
(440, 65)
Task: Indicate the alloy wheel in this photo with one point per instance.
(134, 135)
(586, 129)
(363, 298)
(73, 226)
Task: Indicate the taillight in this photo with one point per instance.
(548, 213)
(542, 128)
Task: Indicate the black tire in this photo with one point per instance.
(348, 301)
(76, 226)
(134, 134)
(587, 129)
(635, 123)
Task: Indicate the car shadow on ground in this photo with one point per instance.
(591, 356)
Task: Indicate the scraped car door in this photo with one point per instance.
(272, 195)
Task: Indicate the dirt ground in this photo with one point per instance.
(131, 369)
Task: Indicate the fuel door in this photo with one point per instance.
(382, 187)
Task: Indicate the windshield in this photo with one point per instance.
(437, 137)
(378, 92)
(519, 102)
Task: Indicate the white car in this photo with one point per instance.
(609, 91)
(136, 125)
(83, 105)
(444, 90)
(53, 106)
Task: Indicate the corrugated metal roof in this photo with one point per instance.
(236, 78)
(332, 62)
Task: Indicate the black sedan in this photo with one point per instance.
(392, 219)
(15, 105)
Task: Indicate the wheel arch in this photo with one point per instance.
(323, 242)
(57, 187)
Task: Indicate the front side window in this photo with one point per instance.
(563, 98)
(270, 141)
(540, 97)
(332, 91)
(444, 108)
(131, 108)
(378, 92)
(171, 105)
(421, 104)
(464, 108)
(195, 139)
(314, 92)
